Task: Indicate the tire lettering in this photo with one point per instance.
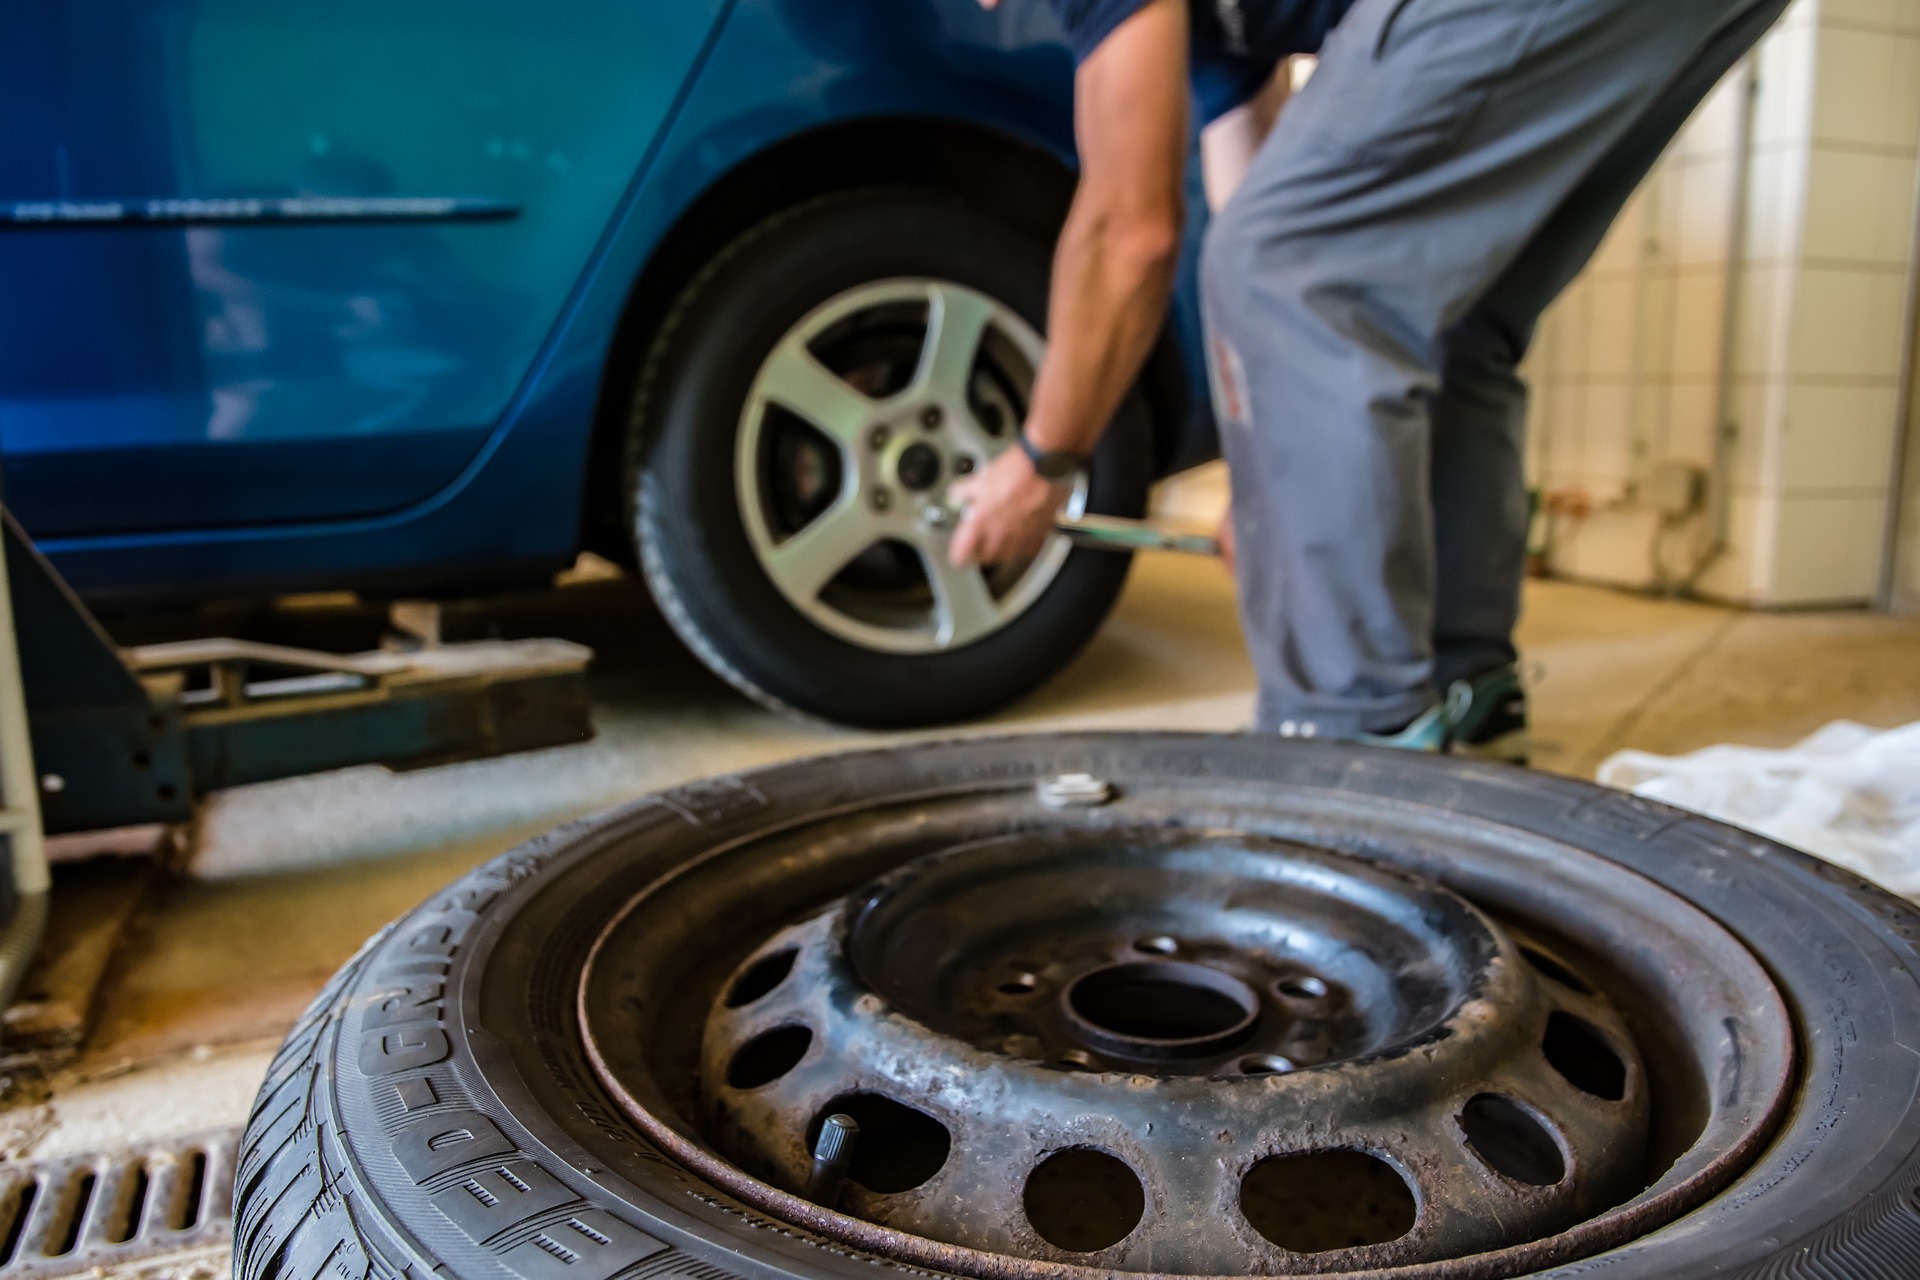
(417, 1000)
(415, 1094)
(435, 1144)
(388, 1053)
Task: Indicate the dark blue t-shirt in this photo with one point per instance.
(1236, 43)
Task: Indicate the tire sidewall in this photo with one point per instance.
(693, 540)
(1837, 1182)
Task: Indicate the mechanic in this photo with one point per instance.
(1369, 291)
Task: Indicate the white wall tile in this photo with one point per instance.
(1607, 433)
(1689, 423)
(1881, 15)
(1776, 187)
(1758, 411)
(1836, 437)
(1654, 306)
(1610, 327)
(1699, 312)
(1743, 574)
(1765, 322)
(1859, 206)
(1783, 109)
(1866, 89)
(1702, 224)
(1829, 549)
(1848, 324)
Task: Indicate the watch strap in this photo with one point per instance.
(1050, 464)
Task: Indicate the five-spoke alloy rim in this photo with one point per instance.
(862, 550)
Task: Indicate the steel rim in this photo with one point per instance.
(853, 428)
(1726, 994)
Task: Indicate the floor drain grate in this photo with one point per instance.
(82, 1213)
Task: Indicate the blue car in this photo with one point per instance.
(424, 299)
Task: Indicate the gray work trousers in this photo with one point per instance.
(1369, 292)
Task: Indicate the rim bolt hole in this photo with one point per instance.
(930, 417)
(962, 466)
(1316, 1201)
(1304, 987)
(1558, 972)
(878, 437)
(1583, 1057)
(1075, 1060)
(1512, 1141)
(1264, 1064)
(1023, 985)
(1158, 945)
(1083, 1200)
(881, 499)
(761, 977)
(768, 1056)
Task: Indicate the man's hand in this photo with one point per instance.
(1009, 512)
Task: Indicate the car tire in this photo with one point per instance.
(447, 1055)
(685, 500)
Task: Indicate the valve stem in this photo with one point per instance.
(832, 1153)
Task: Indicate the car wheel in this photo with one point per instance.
(1104, 1004)
(799, 419)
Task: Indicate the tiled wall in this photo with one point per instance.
(1627, 365)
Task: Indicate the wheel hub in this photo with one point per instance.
(919, 466)
(1188, 1019)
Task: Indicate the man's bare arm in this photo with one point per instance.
(1113, 272)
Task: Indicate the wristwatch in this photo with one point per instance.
(1050, 464)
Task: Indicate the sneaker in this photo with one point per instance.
(1428, 731)
(1487, 716)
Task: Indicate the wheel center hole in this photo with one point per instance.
(1161, 1008)
(919, 466)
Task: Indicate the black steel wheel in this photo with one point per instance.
(1097, 1004)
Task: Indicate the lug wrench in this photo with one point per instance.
(1110, 533)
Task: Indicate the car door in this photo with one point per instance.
(279, 262)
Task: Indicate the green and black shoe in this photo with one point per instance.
(1487, 716)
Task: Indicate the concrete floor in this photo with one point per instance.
(287, 878)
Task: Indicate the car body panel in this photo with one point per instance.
(267, 372)
(452, 436)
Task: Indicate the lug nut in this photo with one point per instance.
(962, 466)
(878, 437)
(930, 417)
(881, 499)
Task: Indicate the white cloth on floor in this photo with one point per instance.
(1849, 794)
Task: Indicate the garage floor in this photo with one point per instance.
(287, 878)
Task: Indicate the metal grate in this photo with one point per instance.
(73, 1215)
